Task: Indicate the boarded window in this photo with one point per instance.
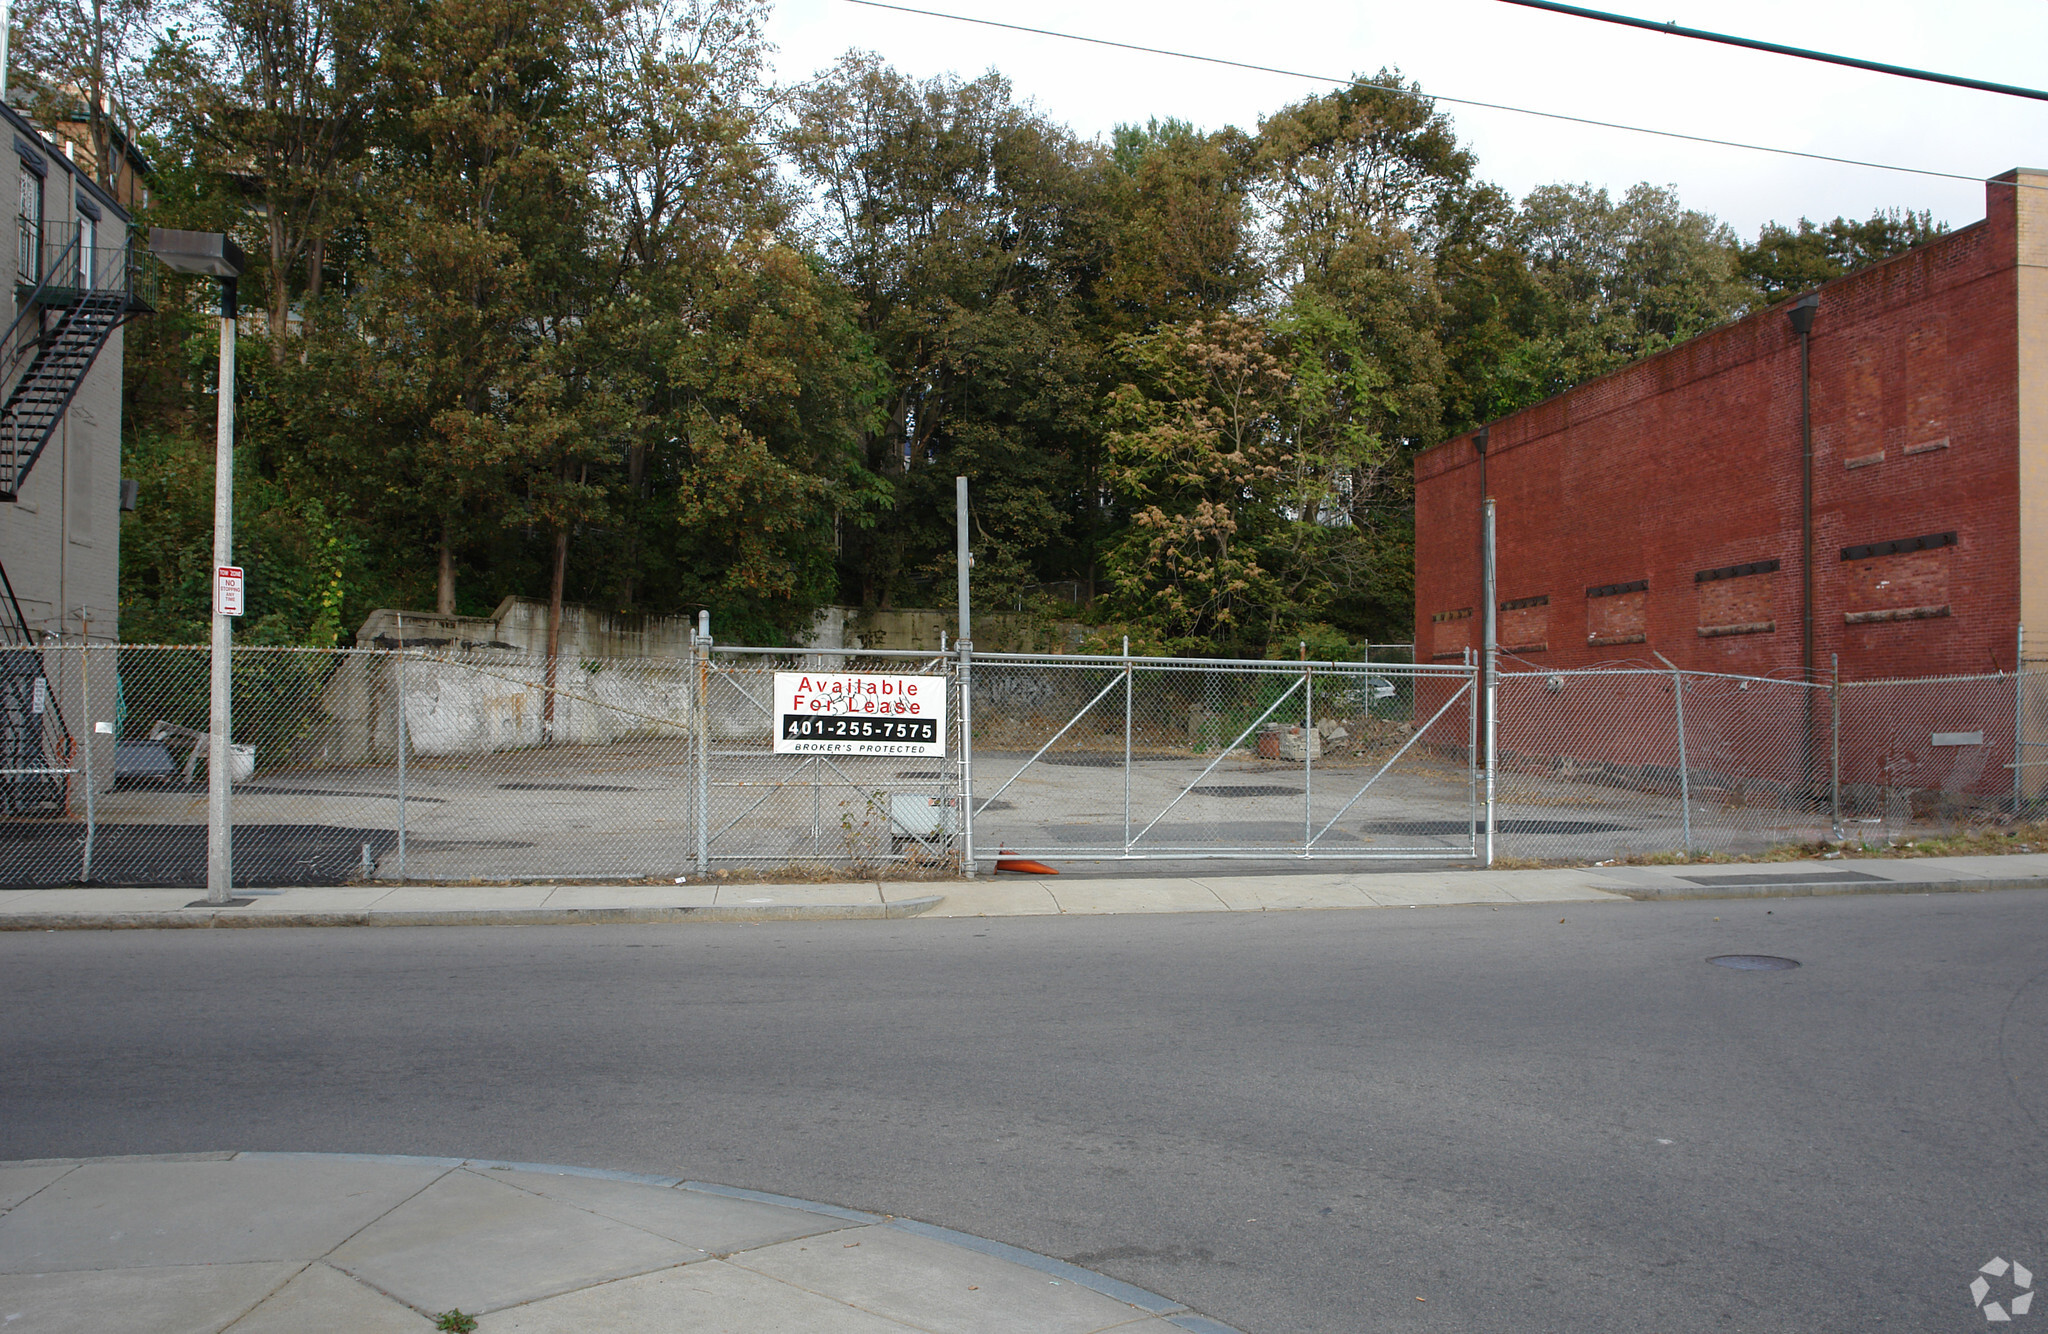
(1525, 624)
(1900, 580)
(1450, 633)
(1927, 372)
(1618, 613)
(1738, 599)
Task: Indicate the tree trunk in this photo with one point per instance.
(636, 474)
(547, 708)
(444, 595)
(280, 282)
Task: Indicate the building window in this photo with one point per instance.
(1738, 599)
(1618, 613)
(1525, 624)
(88, 243)
(1450, 633)
(29, 262)
(1905, 579)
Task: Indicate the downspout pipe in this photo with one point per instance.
(1801, 314)
(1480, 440)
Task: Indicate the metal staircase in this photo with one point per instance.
(71, 295)
(79, 295)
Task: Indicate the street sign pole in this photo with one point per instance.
(965, 646)
(220, 722)
(217, 255)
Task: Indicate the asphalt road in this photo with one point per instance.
(1296, 1121)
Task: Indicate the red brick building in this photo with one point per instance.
(1665, 508)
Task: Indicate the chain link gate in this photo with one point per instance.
(1148, 758)
(862, 813)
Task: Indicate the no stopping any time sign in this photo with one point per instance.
(856, 713)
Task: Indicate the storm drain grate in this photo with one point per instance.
(1754, 963)
(1247, 790)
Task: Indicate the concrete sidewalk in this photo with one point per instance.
(1003, 896)
(264, 1243)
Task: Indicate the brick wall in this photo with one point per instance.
(1658, 509)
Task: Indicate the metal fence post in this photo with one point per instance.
(1127, 745)
(85, 715)
(1684, 769)
(701, 641)
(2019, 718)
(402, 740)
(1471, 748)
(1308, 755)
(1491, 666)
(1835, 763)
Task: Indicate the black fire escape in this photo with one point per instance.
(71, 295)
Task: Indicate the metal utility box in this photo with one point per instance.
(924, 817)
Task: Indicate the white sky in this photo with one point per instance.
(1491, 51)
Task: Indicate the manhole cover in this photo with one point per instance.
(1754, 963)
(562, 787)
(1247, 790)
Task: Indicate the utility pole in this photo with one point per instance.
(964, 558)
(216, 254)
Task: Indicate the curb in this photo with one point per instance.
(231, 918)
(1151, 1303)
(1643, 893)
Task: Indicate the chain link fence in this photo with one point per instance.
(1625, 761)
(2030, 737)
(1146, 757)
(488, 765)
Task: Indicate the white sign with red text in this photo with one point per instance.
(857, 713)
(227, 590)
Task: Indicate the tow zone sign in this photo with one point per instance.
(855, 713)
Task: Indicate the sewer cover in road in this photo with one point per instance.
(562, 787)
(1754, 963)
(1246, 790)
(1442, 827)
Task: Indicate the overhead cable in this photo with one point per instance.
(1700, 34)
(1431, 97)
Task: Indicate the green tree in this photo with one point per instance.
(1786, 260)
(970, 233)
(1196, 447)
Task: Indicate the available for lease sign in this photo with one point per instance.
(854, 713)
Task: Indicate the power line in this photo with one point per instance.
(1701, 34)
(1429, 97)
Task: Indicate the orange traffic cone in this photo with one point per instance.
(1023, 866)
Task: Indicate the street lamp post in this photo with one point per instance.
(216, 254)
